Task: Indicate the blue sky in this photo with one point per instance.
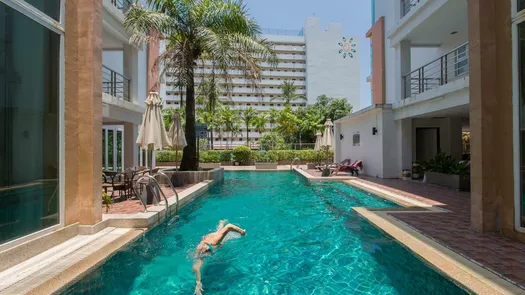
(355, 15)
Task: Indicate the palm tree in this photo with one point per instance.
(217, 29)
(260, 122)
(230, 120)
(273, 114)
(248, 116)
(208, 97)
(289, 89)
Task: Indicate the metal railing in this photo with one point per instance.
(115, 84)
(122, 5)
(441, 71)
(406, 6)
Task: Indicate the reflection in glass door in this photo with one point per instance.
(112, 147)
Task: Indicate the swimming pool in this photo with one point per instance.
(302, 239)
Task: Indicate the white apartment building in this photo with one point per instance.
(317, 60)
(420, 88)
(124, 74)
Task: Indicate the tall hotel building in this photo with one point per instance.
(317, 60)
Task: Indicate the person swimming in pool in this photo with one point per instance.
(208, 245)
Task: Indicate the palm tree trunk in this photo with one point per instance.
(211, 138)
(247, 136)
(189, 157)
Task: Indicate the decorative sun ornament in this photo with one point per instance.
(347, 48)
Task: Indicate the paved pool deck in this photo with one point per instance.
(500, 254)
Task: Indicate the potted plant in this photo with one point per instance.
(107, 201)
(446, 171)
(264, 161)
(242, 155)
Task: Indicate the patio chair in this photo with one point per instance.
(354, 168)
(120, 182)
(333, 166)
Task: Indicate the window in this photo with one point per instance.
(356, 139)
(49, 7)
(29, 122)
(461, 59)
(521, 110)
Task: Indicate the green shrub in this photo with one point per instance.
(168, 156)
(209, 157)
(242, 153)
(271, 141)
(246, 155)
(443, 163)
(225, 156)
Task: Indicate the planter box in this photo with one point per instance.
(310, 166)
(265, 165)
(209, 165)
(449, 180)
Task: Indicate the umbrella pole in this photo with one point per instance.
(176, 158)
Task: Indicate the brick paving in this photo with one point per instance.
(135, 206)
(495, 252)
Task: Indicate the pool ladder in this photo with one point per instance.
(157, 195)
(291, 165)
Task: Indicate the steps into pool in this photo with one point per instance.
(51, 270)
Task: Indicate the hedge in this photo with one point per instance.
(257, 156)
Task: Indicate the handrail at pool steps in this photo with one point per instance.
(174, 190)
(291, 165)
(156, 183)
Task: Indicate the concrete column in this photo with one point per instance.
(83, 112)
(490, 50)
(131, 151)
(131, 70)
(403, 67)
(404, 128)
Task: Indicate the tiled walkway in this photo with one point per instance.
(135, 206)
(495, 252)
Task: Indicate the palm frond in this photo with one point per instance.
(145, 25)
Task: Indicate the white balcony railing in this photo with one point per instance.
(407, 5)
(445, 69)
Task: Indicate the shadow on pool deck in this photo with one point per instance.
(499, 254)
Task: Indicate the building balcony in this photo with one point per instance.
(439, 88)
(115, 84)
(428, 22)
(447, 68)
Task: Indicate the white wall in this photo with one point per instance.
(378, 152)
(113, 60)
(327, 71)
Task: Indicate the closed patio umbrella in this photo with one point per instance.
(152, 133)
(328, 135)
(318, 139)
(176, 135)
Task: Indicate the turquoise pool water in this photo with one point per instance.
(302, 239)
